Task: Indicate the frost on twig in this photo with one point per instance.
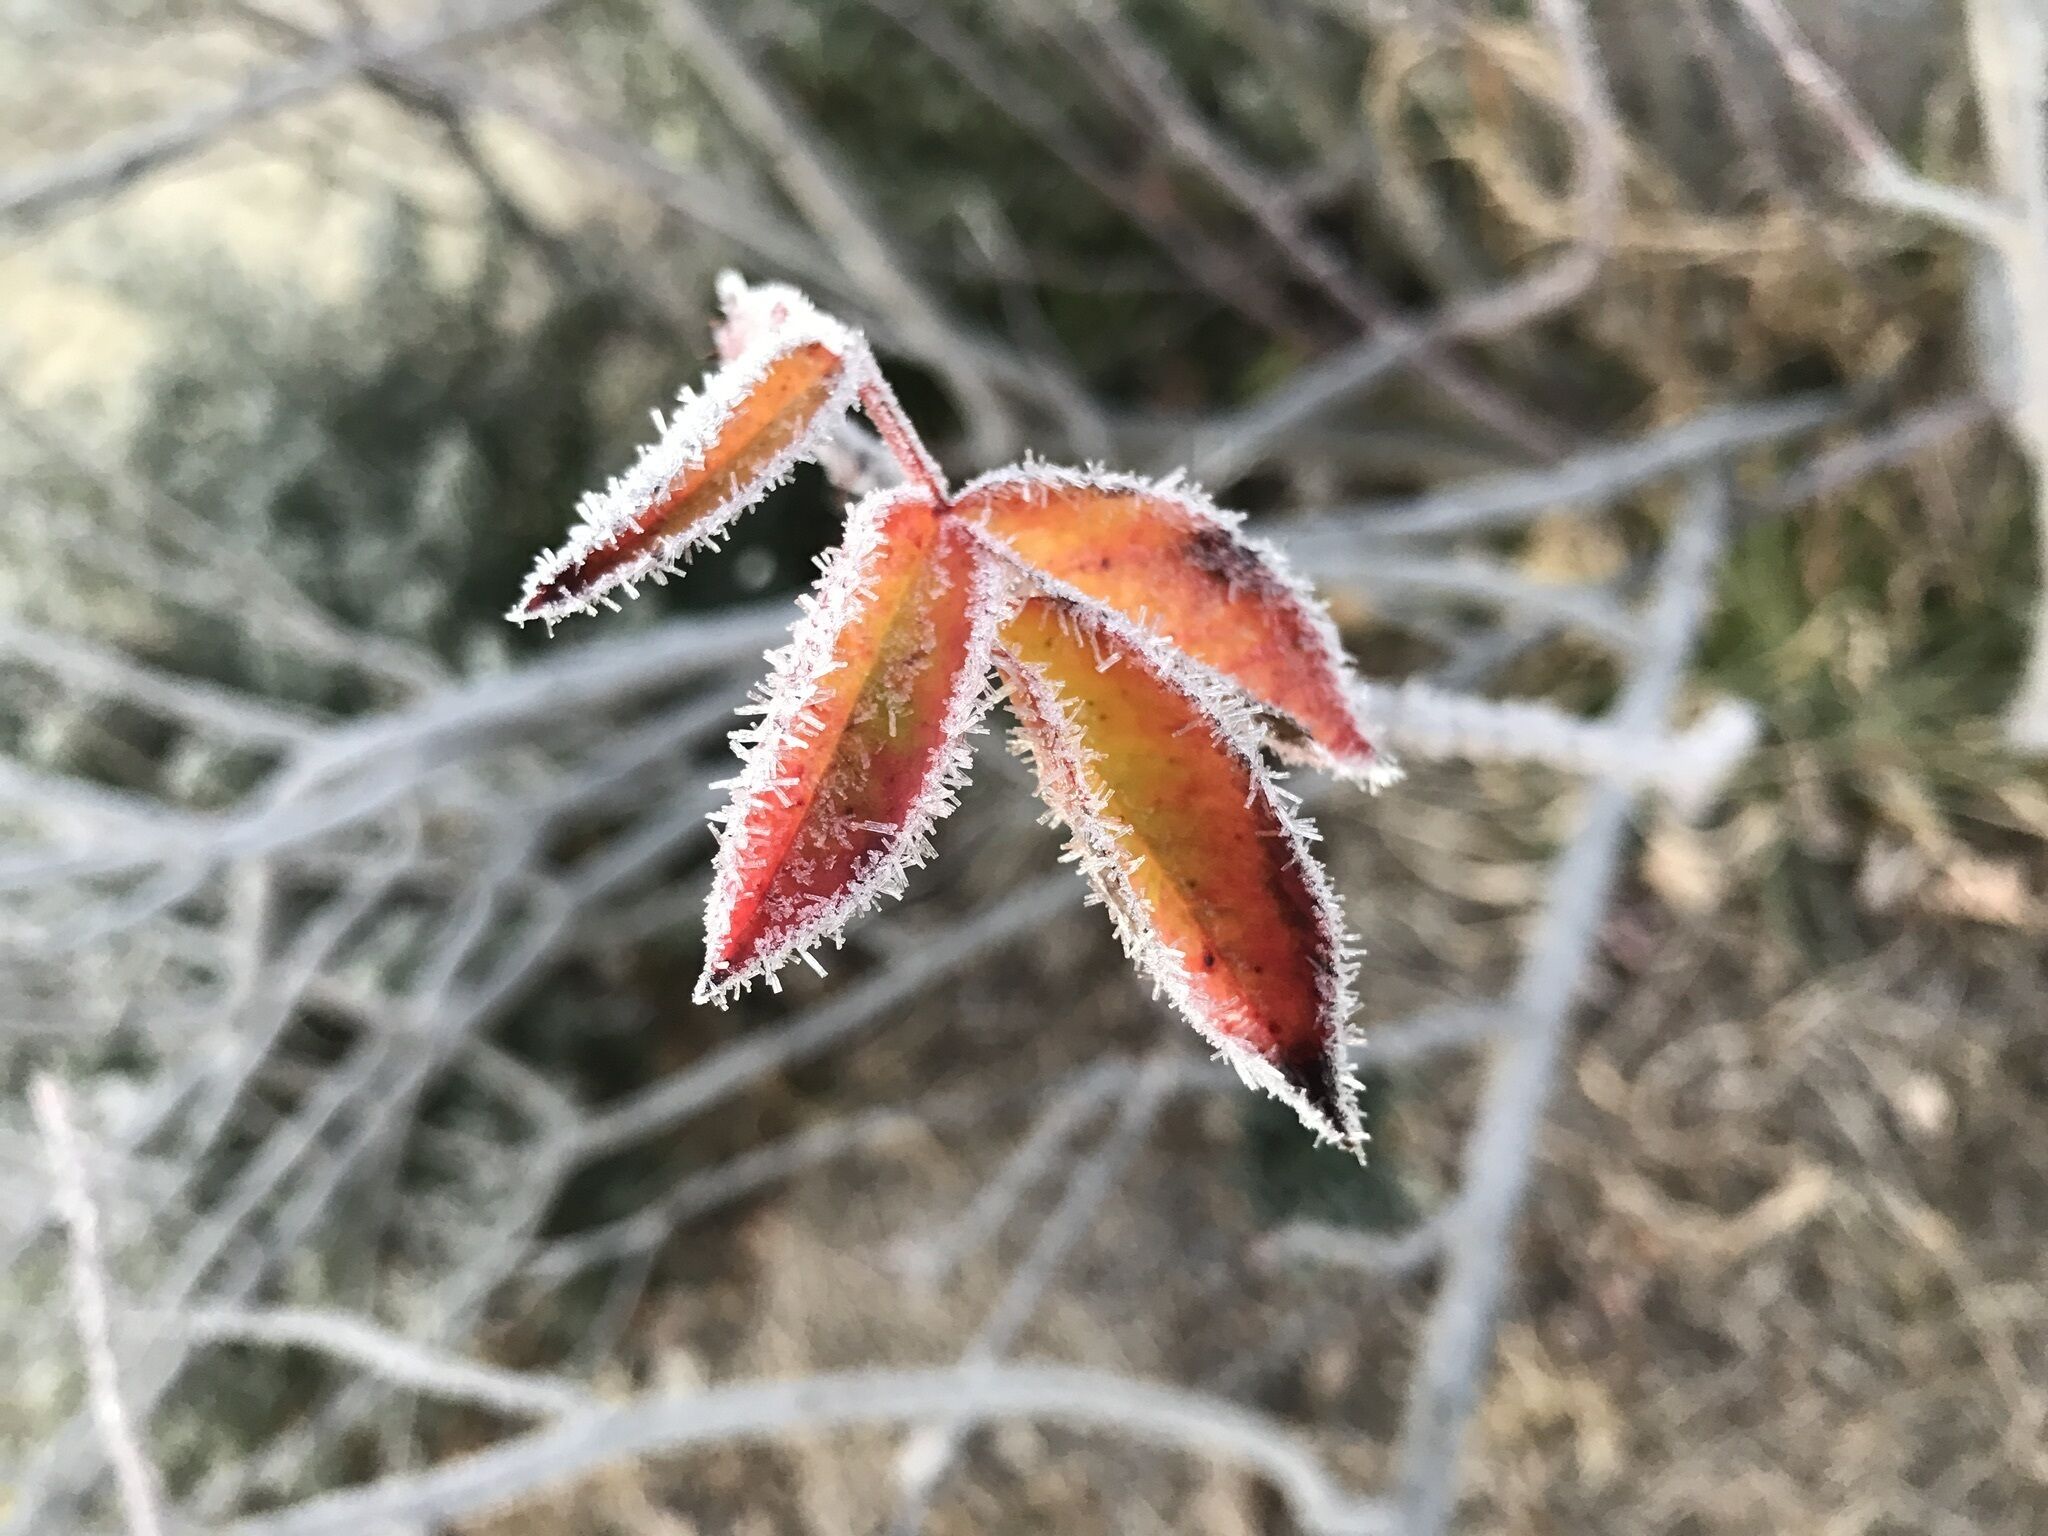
(1689, 768)
(137, 1478)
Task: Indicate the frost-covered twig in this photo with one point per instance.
(1913, 433)
(400, 1360)
(39, 192)
(1449, 1027)
(1588, 481)
(2009, 56)
(1688, 767)
(355, 770)
(1389, 1256)
(1499, 1152)
(1167, 1417)
(2009, 60)
(89, 668)
(1589, 609)
(137, 1478)
(1883, 175)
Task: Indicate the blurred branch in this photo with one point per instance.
(1387, 1256)
(722, 1074)
(37, 194)
(137, 1479)
(207, 570)
(1689, 768)
(1590, 479)
(2009, 59)
(825, 194)
(1899, 441)
(929, 1453)
(1182, 127)
(1883, 176)
(1242, 290)
(1597, 139)
(1591, 609)
(1172, 1419)
(1499, 1152)
(2009, 54)
(392, 1356)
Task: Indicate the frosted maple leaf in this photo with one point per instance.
(1150, 651)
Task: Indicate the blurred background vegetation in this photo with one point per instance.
(295, 391)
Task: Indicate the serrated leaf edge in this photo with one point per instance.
(839, 598)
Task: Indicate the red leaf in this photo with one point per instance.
(721, 452)
(863, 739)
(1210, 881)
(1166, 558)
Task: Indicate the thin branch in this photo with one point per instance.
(132, 1470)
(1688, 768)
(1013, 96)
(1353, 562)
(1499, 1153)
(1243, 440)
(1254, 189)
(725, 1073)
(748, 1173)
(109, 674)
(1833, 469)
(929, 1454)
(1394, 1256)
(931, 1255)
(2009, 56)
(1185, 1422)
(393, 1357)
(1590, 479)
(38, 193)
(1882, 175)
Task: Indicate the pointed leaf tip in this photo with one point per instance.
(1170, 562)
(722, 451)
(863, 741)
(1210, 882)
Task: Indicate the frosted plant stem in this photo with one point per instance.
(1688, 768)
(132, 1471)
(1499, 1151)
(1189, 1422)
(403, 1361)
